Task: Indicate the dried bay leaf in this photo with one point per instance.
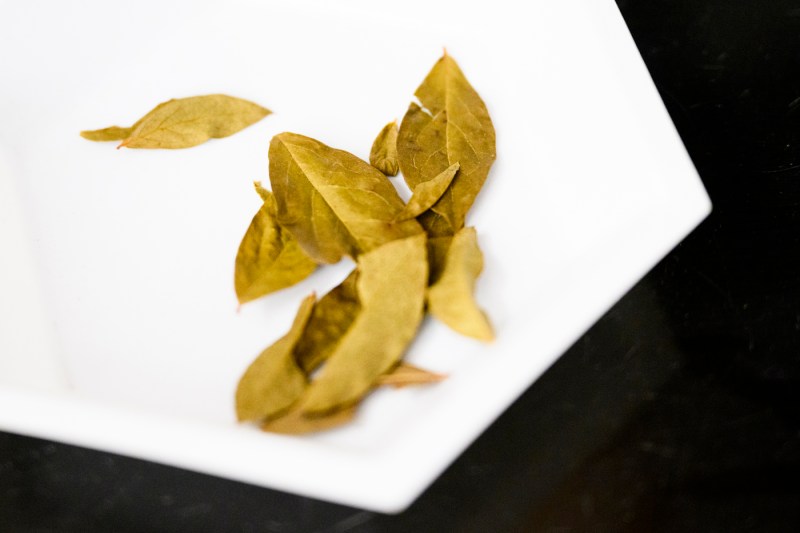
(405, 374)
(383, 154)
(427, 193)
(334, 203)
(451, 125)
(273, 382)
(185, 122)
(269, 257)
(451, 298)
(391, 288)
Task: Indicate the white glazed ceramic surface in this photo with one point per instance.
(119, 327)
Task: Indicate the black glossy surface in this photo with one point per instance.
(678, 411)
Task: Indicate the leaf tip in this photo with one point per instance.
(486, 332)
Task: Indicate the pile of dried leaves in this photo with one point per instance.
(411, 257)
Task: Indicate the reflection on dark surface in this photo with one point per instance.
(564, 421)
(678, 411)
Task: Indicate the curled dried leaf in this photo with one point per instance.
(273, 381)
(269, 258)
(383, 154)
(451, 298)
(391, 288)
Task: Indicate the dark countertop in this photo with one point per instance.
(678, 411)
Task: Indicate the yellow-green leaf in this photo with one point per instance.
(274, 381)
(391, 288)
(451, 125)
(185, 122)
(334, 203)
(269, 258)
(383, 154)
(451, 298)
(406, 374)
(428, 193)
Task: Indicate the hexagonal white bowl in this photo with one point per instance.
(119, 328)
